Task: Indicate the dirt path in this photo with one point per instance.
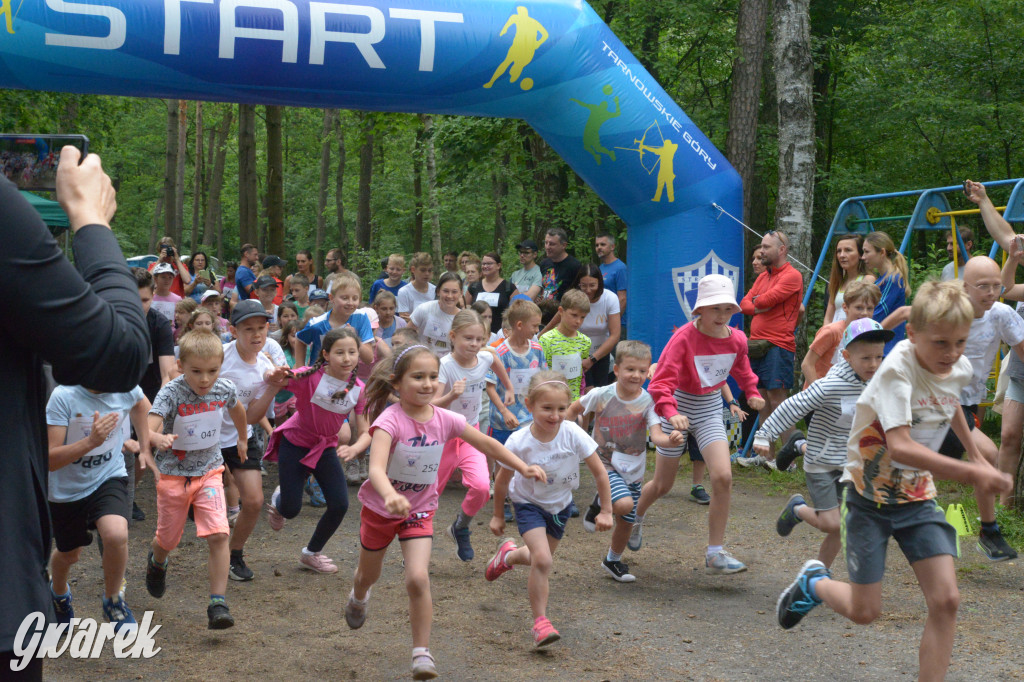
(674, 623)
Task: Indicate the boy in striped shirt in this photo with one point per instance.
(832, 400)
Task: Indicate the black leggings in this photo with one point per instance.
(600, 374)
(293, 473)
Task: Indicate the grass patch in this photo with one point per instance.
(1010, 521)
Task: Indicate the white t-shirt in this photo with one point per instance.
(999, 324)
(560, 459)
(249, 383)
(595, 324)
(409, 298)
(433, 325)
(467, 404)
(276, 353)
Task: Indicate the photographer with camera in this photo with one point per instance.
(169, 254)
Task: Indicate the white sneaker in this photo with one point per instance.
(756, 460)
(770, 464)
(722, 562)
(636, 536)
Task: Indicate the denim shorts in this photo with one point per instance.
(530, 516)
(775, 369)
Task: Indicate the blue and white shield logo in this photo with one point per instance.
(685, 279)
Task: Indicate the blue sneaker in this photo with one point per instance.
(461, 538)
(62, 605)
(574, 511)
(316, 495)
(723, 563)
(788, 519)
(508, 512)
(118, 613)
(798, 599)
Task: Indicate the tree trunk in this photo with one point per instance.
(275, 182)
(197, 180)
(326, 139)
(435, 215)
(248, 207)
(339, 185)
(499, 189)
(154, 228)
(179, 183)
(365, 182)
(170, 167)
(745, 98)
(211, 219)
(417, 190)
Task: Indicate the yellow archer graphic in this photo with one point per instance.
(530, 35)
(665, 153)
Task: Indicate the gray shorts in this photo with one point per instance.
(824, 489)
(919, 528)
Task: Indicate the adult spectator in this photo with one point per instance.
(272, 267)
(244, 275)
(603, 324)
(881, 256)
(464, 258)
(451, 263)
(559, 269)
(773, 303)
(613, 270)
(86, 321)
(203, 277)
(527, 278)
(995, 223)
(967, 235)
(305, 265)
(334, 264)
(756, 264)
(492, 289)
(226, 285)
(169, 254)
(847, 267)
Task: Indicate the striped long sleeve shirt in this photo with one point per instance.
(833, 399)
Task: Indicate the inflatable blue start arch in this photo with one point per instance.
(553, 63)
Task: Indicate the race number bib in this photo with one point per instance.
(630, 467)
(713, 369)
(417, 465)
(468, 404)
(437, 334)
(849, 406)
(165, 308)
(521, 379)
(247, 392)
(327, 387)
(488, 297)
(569, 365)
(197, 431)
(81, 427)
(563, 474)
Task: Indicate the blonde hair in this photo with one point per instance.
(520, 311)
(190, 325)
(941, 303)
(384, 295)
(467, 318)
(186, 305)
(574, 299)
(200, 343)
(345, 280)
(397, 258)
(638, 350)
(547, 380)
(311, 312)
(420, 259)
(467, 254)
(881, 241)
(862, 291)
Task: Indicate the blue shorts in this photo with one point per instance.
(530, 516)
(775, 369)
(499, 435)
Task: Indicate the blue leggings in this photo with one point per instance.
(293, 473)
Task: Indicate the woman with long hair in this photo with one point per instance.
(881, 256)
(203, 277)
(305, 265)
(847, 266)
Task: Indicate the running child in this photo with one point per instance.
(433, 320)
(901, 419)
(400, 498)
(692, 368)
(326, 394)
(346, 295)
(388, 322)
(418, 289)
(185, 420)
(522, 358)
(393, 282)
(266, 291)
(461, 383)
(542, 507)
(88, 488)
(298, 287)
(832, 399)
(564, 346)
(163, 298)
(623, 413)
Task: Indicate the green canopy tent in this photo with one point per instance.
(50, 211)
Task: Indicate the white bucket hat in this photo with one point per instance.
(715, 290)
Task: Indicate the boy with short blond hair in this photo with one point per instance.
(900, 421)
(564, 346)
(298, 287)
(346, 297)
(859, 301)
(394, 268)
(522, 358)
(185, 420)
(419, 290)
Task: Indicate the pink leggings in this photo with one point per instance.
(460, 454)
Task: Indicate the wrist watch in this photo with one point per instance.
(592, 358)
(734, 402)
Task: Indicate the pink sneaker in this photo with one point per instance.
(318, 562)
(544, 633)
(496, 566)
(274, 517)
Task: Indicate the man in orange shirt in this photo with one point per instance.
(773, 303)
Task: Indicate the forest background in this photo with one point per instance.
(877, 96)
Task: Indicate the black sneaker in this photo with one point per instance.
(238, 570)
(618, 570)
(590, 518)
(796, 601)
(789, 452)
(156, 577)
(137, 514)
(699, 495)
(995, 547)
(218, 616)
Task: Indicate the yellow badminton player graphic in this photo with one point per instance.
(666, 154)
(530, 35)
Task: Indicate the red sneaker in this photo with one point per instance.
(544, 633)
(496, 566)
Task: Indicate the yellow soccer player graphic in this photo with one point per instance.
(599, 113)
(666, 154)
(530, 35)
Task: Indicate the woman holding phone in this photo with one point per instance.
(203, 277)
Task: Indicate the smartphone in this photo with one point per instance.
(967, 192)
(30, 160)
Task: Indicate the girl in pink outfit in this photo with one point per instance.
(325, 395)
(399, 499)
(686, 389)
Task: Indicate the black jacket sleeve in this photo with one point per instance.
(88, 324)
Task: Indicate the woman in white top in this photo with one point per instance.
(847, 266)
(602, 325)
(433, 320)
